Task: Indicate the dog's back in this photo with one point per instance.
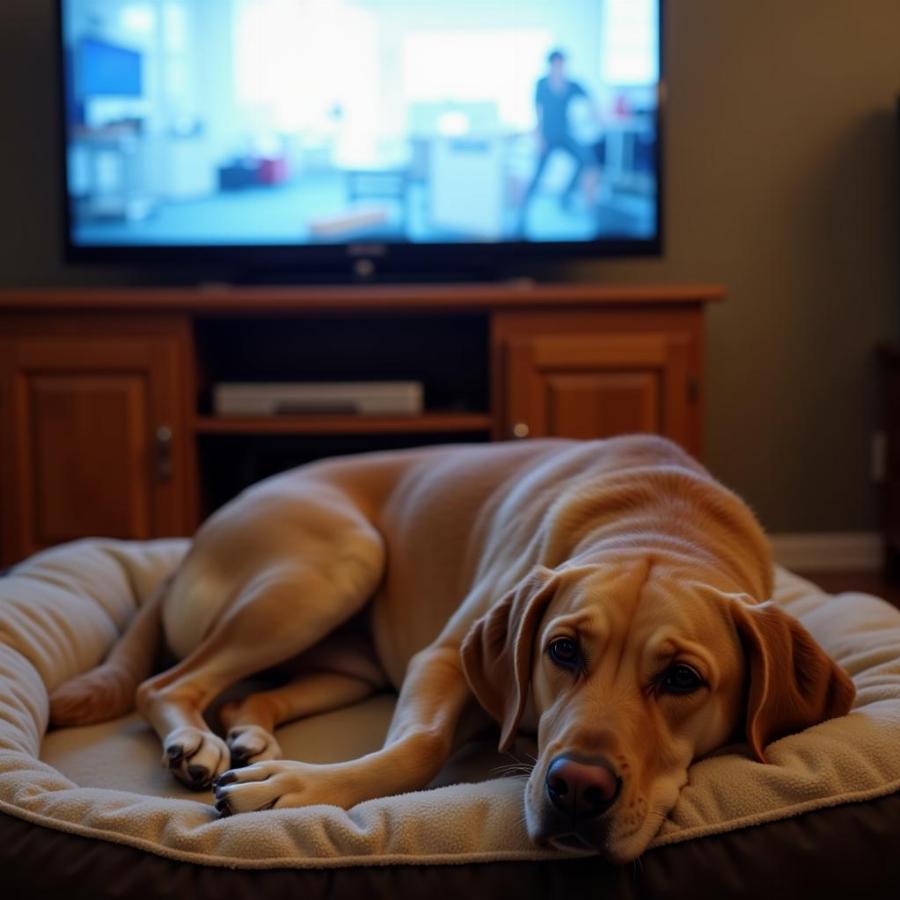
(462, 519)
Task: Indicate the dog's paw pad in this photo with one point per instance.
(250, 744)
(195, 757)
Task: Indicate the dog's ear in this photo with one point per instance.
(794, 684)
(496, 653)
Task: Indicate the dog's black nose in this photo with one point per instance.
(582, 789)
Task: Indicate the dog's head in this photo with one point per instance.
(628, 679)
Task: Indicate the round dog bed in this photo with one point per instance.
(95, 801)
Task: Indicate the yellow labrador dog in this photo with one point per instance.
(610, 596)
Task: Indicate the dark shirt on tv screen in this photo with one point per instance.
(554, 106)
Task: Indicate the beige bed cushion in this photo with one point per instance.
(60, 612)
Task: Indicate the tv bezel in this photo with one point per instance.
(361, 260)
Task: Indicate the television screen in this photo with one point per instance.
(325, 123)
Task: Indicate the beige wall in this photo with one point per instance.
(781, 183)
(782, 159)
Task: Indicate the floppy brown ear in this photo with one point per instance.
(496, 653)
(794, 684)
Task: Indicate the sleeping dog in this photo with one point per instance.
(609, 596)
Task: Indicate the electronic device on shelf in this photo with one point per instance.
(368, 398)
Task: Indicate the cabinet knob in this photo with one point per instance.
(164, 453)
(520, 430)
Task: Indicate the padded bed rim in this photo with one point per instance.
(841, 851)
(114, 838)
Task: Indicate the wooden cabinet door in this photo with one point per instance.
(594, 386)
(93, 444)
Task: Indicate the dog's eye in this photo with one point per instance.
(680, 679)
(565, 652)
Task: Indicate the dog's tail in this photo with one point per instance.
(107, 691)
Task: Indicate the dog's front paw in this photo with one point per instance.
(195, 757)
(278, 785)
(251, 744)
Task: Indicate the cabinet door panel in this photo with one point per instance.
(90, 456)
(79, 418)
(602, 404)
(595, 386)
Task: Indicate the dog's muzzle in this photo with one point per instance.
(582, 790)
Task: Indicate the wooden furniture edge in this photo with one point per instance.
(337, 424)
(327, 298)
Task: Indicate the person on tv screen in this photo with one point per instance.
(553, 97)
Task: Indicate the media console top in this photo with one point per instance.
(422, 298)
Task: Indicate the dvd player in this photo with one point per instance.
(362, 398)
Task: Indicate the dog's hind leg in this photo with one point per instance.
(418, 743)
(339, 671)
(278, 615)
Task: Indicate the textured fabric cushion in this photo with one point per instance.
(60, 612)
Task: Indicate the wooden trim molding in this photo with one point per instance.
(520, 294)
(854, 551)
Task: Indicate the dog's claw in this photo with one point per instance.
(175, 755)
(225, 778)
(223, 808)
(199, 775)
(251, 744)
(238, 759)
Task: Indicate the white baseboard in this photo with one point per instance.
(852, 551)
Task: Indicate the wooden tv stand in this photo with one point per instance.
(105, 413)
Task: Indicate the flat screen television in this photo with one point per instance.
(360, 135)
